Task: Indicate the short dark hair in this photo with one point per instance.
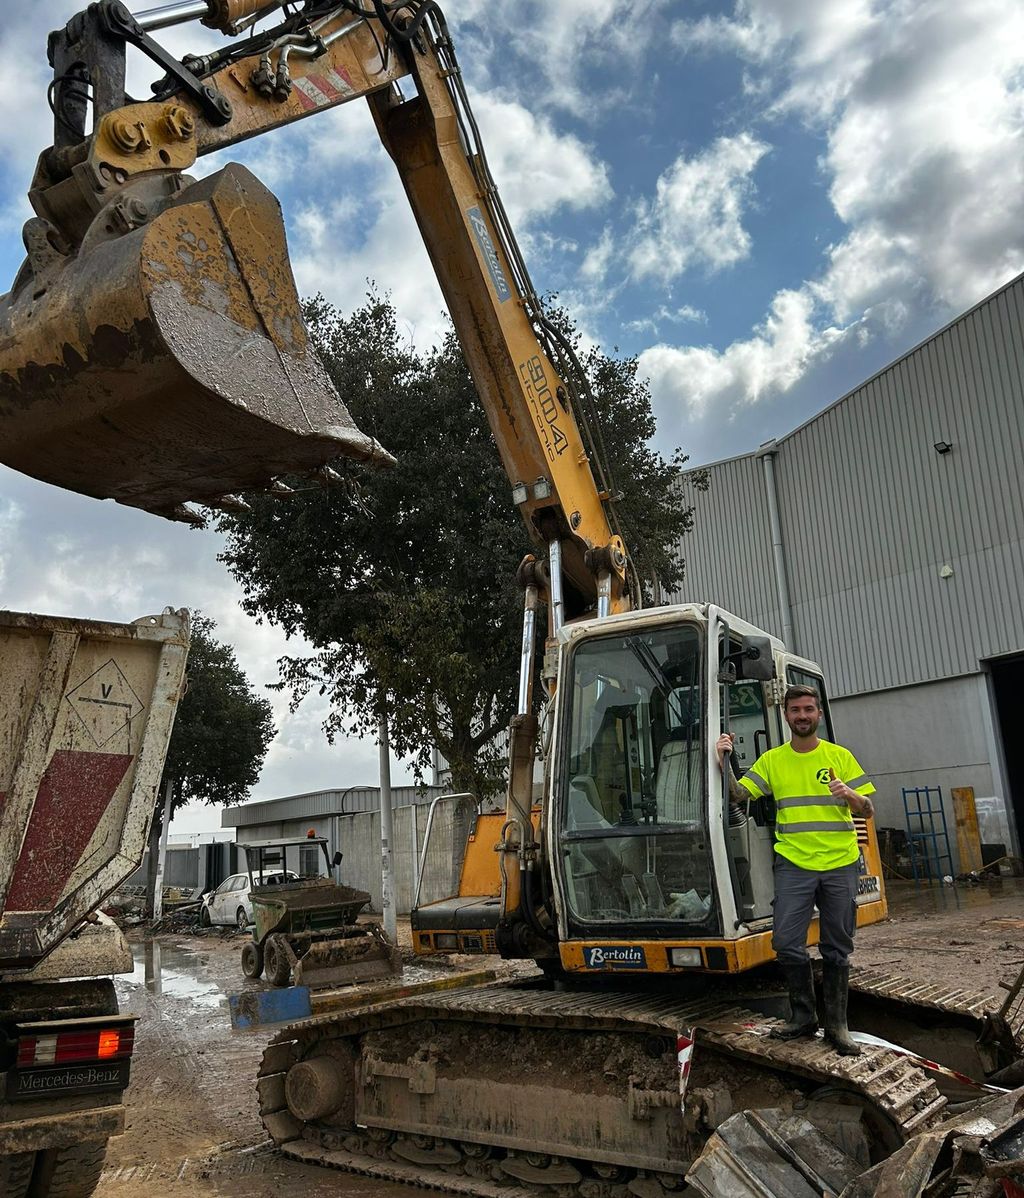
(800, 692)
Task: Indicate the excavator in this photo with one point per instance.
(152, 351)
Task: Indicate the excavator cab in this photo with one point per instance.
(152, 347)
(651, 867)
(654, 867)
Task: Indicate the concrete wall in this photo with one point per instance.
(358, 838)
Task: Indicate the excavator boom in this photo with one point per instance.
(153, 350)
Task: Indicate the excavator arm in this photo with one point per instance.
(153, 348)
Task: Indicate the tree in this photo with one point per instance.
(407, 591)
(222, 731)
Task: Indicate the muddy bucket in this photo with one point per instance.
(170, 363)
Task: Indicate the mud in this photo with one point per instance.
(193, 1127)
(973, 935)
(595, 1063)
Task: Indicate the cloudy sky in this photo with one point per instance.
(765, 200)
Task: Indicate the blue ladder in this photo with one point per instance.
(927, 833)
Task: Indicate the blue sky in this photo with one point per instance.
(766, 201)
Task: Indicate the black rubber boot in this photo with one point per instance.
(835, 984)
(803, 1017)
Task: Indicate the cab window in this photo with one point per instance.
(748, 721)
(634, 799)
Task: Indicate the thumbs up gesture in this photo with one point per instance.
(858, 804)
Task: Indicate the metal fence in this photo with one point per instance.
(358, 837)
(450, 820)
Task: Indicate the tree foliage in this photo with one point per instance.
(407, 588)
(222, 730)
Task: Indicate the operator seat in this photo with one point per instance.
(678, 783)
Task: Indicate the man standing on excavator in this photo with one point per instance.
(815, 785)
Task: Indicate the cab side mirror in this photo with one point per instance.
(337, 859)
(755, 661)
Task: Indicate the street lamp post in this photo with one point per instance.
(386, 830)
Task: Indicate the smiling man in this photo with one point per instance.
(815, 785)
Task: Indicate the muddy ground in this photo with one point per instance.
(193, 1126)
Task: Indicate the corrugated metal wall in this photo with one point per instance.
(871, 514)
(729, 553)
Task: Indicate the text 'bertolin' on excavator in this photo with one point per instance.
(154, 352)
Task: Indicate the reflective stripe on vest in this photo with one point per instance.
(807, 813)
(820, 825)
(759, 782)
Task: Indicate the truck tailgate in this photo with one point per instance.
(86, 711)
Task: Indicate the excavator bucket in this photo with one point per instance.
(167, 360)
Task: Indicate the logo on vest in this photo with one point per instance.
(824, 777)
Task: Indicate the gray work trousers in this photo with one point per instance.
(797, 892)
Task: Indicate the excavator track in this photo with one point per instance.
(936, 996)
(917, 1015)
(524, 1088)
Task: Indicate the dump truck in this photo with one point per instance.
(86, 712)
(148, 298)
(304, 922)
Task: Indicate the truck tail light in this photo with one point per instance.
(76, 1047)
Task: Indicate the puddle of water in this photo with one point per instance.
(907, 899)
(167, 969)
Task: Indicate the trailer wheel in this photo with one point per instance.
(72, 1172)
(252, 959)
(275, 961)
(16, 1173)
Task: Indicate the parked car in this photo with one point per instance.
(230, 903)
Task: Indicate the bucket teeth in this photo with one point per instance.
(331, 477)
(184, 513)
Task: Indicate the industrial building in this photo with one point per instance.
(884, 538)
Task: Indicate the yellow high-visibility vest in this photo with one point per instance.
(812, 830)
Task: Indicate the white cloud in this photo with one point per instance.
(696, 378)
(561, 41)
(665, 315)
(598, 258)
(363, 228)
(538, 169)
(695, 218)
(921, 107)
